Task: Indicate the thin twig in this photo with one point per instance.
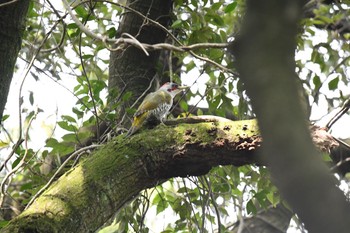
(19, 165)
(144, 93)
(60, 19)
(80, 25)
(8, 3)
(241, 226)
(14, 148)
(89, 84)
(137, 43)
(143, 212)
(217, 212)
(189, 201)
(164, 46)
(339, 114)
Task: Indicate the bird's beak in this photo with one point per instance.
(183, 87)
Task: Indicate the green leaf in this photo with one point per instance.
(190, 65)
(87, 56)
(72, 26)
(112, 32)
(16, 162)
(177, 23)
(4, 117)
(251, 209)
(230, 7)
(333, 84)
(218, 21)
(317, 82)
(161, 206)
(98, 86)
(51, 142)
(84, 134)
(216, 6)
(81, 11)
(31, 98)
(326, 157)
(261, 197)
(68, 118)
(184, 105)
(127, 96)
(70, 137)
(78, 113)
(3, 144)
(66, 126)
(199, 112)
(26, 186)
(73, 32)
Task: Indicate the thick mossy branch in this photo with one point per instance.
(90, 193)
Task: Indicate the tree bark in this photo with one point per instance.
(12, 22)
(265, 59)
(131, 69)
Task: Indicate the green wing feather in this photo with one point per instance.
(151, 102)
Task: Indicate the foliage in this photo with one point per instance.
(197, 204)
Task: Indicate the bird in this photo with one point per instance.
(155, 104)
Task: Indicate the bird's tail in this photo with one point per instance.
(138, 121)
(131, 131)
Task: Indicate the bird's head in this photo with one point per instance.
(172, 88)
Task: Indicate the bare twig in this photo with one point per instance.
(217, 212)
(240, 212)
(14, 148)
(160, 46)
(3, 187)
(60, 19)
(189, 202)
(8, 3)
(59, 43)
(341, 162)
(80, 25)
(89, 84)
(137, 43)
(339, 114)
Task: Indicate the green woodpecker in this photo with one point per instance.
(156, 103)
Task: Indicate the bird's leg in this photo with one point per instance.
(162, 120)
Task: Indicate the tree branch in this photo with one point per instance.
(90, 193)
(121, 169)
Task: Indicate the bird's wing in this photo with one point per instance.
(152, 101)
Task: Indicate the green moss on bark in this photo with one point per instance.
(90, 193)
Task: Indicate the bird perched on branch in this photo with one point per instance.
(156, 104)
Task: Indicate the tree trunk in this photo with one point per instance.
(12, 23)
(131, 69)
(265, 58)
